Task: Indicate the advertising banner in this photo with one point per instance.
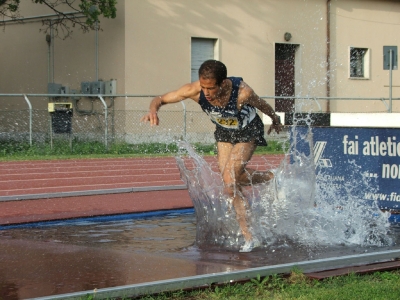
(361, 161)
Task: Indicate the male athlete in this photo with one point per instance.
(231, 104)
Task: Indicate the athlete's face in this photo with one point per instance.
(209, 88)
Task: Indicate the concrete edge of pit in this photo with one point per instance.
(199, 281)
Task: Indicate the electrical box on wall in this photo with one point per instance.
(54, 88)
(110, 87)
(65, 90)
(85, 87)
(97, 87)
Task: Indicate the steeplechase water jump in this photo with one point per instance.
(243, 209)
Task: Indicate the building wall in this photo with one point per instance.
(29, 63)
(159, 33)
(147, 49)
(363, 24)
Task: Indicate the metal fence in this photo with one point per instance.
(108, 125)
(104, 123)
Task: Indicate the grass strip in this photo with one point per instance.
(12, 150)
(377, 286)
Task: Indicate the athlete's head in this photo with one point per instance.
(213, 69)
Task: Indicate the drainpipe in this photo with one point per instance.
(48, 40)
(52, 52)
(97, 51)
(328, 54)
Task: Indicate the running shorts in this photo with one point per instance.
(253, 131)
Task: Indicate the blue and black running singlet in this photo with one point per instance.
(229, 117)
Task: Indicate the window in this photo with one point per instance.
(359, 63)
(202, 50)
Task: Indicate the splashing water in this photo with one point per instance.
(298, 205)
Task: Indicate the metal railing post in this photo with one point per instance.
(105, 121)
(184, 119)
(30, 119)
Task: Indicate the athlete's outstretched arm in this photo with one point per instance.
(190, 90)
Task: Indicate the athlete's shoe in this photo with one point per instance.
(250, 245)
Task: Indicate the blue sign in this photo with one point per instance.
(363, 161)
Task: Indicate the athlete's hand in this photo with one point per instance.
(276, 124)
(277, 127)
(151, 117)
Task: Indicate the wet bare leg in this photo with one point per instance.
(240, 205)
(232, 160)
(256, 177)
(248, 176)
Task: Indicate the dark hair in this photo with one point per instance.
(213, 69)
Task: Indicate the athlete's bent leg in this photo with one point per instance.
(232, 160)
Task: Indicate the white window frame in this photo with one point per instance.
(362, 60)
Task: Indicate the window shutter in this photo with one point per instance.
(202, 50)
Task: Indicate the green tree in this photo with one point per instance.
(84, 14)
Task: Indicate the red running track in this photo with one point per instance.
(21, 178)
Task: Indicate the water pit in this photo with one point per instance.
(84, 255)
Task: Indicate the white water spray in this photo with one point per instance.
(298, 205)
